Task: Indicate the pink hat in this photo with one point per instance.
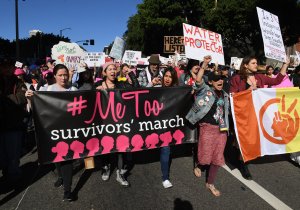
(104, 66)
(19, 72)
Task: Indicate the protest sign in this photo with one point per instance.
(95, 59)
(18, 64)
(69, 54)
(117, 48)
(200, 42)
(173, 43)
(131, 57)
(271, 33)
(236, 62)
(77, 124)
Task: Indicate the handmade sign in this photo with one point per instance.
(69, 54)
(200, 42)
(131, 57)
(173, 43)
(95, 59)
(271, 33)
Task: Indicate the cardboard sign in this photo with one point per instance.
(117, 48)
(69, 54)
(95, 59)
(200, 42)
(173, 43)
(18, 64)
(131, 57)
(271, 33)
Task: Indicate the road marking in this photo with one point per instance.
(259, 190)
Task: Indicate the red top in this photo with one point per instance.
(237, 84)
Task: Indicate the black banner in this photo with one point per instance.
(77, 124)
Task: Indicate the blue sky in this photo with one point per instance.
(101, 20)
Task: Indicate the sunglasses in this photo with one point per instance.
(218, 77)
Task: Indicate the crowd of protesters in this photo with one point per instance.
(210, 112)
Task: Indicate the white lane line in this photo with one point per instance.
(259, 190)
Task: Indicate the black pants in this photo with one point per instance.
(65, 171)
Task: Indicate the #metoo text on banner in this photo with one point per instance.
(78, 124)
(271, 33)
(200, 42)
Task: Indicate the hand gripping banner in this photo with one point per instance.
(78, 124)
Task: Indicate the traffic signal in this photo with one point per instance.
(92, 41)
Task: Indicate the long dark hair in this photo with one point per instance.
(243, 70)
(173, 75)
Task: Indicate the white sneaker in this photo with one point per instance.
(167, 184)
(121, 179)
(105, 173)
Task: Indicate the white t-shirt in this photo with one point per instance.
(55, 87)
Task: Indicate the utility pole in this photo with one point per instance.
(17, 31)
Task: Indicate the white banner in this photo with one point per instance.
(95, 59)
(69, 54)
(131, 57)
(271, 33)
(200, 42)
(117, 49)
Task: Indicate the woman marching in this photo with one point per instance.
(210, 110)
(110, 81)
(65, 168)
(248, 79)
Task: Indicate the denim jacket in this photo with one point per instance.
(204, 99)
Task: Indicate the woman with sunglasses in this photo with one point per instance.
(210, 110)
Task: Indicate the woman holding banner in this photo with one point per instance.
(110, 81)
(248, 79)
(210, 110)
(65, 168)
(169, 79)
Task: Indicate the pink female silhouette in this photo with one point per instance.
(166, 138)
(93, 146)
(77, 147)
(107, 143)
(122, 143)
(178, 135)
(137, 142)
(61, 149)
(151, 141)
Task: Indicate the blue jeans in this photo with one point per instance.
(10, 152)
(165, 162)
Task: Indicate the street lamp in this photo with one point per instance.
(61, 30)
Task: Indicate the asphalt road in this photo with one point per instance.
(275, 175)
